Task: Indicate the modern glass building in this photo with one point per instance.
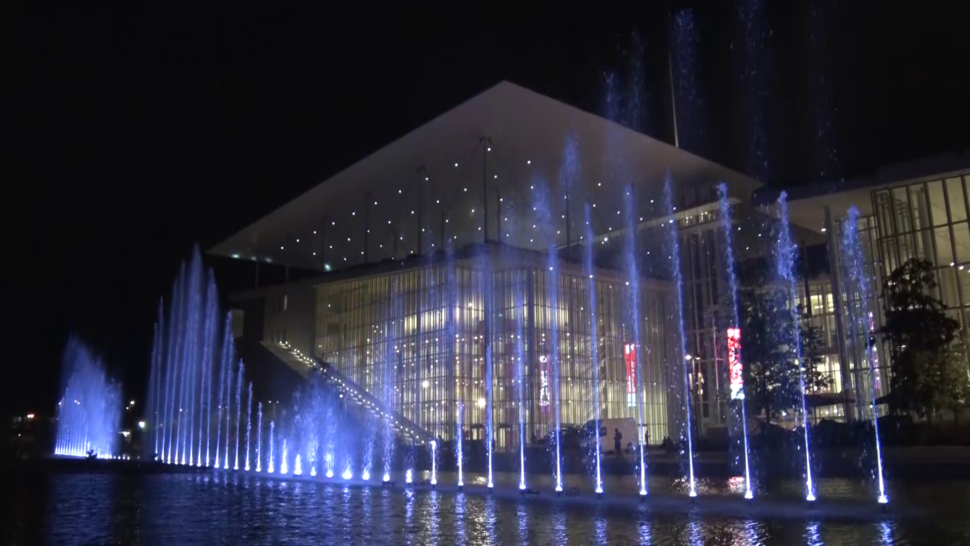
(519, 188)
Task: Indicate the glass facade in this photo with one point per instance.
(928, 220)
(418, 337)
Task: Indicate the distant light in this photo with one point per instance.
(281, 248)
(481, 402)
(298, 240)
(489, 149)
(141, 425)
(235, 256)
(456, 165)
(314, 232)
(823, 230)
(30, 416)
(132, 403)
(528, 162)
(326, 267)
(425, 384)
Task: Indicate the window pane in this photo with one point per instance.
(948, 287)
(937, 202)
(944, 252)
(961, 239)
(954, 194)
(901, 204)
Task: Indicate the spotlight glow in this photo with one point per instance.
(348, 474)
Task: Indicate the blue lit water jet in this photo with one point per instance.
(489, 372)
(389, 376)
(348, 473)
(634, 291)
(259, 437)
(283, 466)
(724, 209)
(226, 341)
(239, 382)
(155, 381)
(270, 467)
(228, 364)
(786, 252)
(171, 367)
(434, 462)
(313, 471)
(673, 250)
(458, 445)
(210, 324)
(408, 476)
(89, 414)
(594, 347)
(520, 310)
(554, 304)
(855, 262)
(297, 465)
(249, 422)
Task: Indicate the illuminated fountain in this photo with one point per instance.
(89, 414)
(458, 446)
(785, 254)
(434, 463)
(283, 467)
(854, 263)
(632, 354)
(259, 437)
(270, 468)
(239, 382)
(297, 466)
(734, 333)
(249, 422)
(673, 251)
(520, 377)
(594, 347)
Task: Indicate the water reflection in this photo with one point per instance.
(207, 507)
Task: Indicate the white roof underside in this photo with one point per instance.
(541, 149)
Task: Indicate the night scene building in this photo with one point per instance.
(510, 226)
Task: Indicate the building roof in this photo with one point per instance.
(807, 203)
(538, 151)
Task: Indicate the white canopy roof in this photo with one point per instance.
(530, 150)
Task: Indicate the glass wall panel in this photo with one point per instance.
(954, 196)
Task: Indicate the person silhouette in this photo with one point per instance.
(617, 442)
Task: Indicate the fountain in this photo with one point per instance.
(211, 320)
(594, 347)
(786, 252)
(89, 414)
(520, 310)
(673, 252)
(259, 437)
(856, 272)
(239, 382)
(458, 445)
(283, 468)
(554, 303)
(724, 209)
(297, 466)
(270, 468)
(634, 291)
(489, 372)
(155, 383)
(434, 463)
(249, 422)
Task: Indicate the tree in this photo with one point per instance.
(944, 383)
(772, 379)
(920, 335)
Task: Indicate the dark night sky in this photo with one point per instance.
(140, 132)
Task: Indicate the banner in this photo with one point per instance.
(630, 357)
(734, 363)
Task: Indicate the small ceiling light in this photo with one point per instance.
(528, 162)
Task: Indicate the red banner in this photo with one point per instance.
(734, 363)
